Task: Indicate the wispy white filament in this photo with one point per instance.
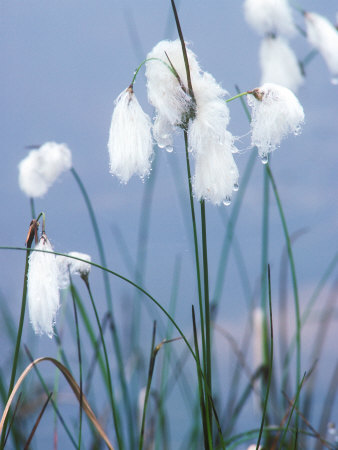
(71, 266)
(42, 289)
(40, 169)
(216, 174)
(324, 37)
(276, 112)
(130, 143)
(279, 64)
(269, 16)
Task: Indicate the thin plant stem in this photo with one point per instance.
(150, 376)
(294, 282)
(270, 364)
(237, 96)
(205, 419)
(18, 341)
(206, 311)
(116, 417)
(197, 259)
(80, 361)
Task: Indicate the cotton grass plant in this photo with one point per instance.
(189, 104)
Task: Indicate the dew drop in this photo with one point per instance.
(169, 148)
(265, 159)
(227, 201)
(235, 187)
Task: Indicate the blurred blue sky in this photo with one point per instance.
(62, 65)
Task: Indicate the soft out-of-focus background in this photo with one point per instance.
(62, 65)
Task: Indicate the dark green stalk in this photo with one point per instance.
(270, 365)
(206, 311)
(294, 280)
(116, 417)
(197, 259)
(184, 50)
(18, 341)
(205, 419)
(150, 377)
(80, 361)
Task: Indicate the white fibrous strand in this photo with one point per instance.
(324, 37)
(41, 167)
(269, 16)
(130, 143)
(167, 93)
(216, 174)
(42, 288)
(276, 112)
(69, 266)
(279, 64)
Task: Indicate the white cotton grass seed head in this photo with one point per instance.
(41, 167)
(42, 288)
(322, 34)
(216, 174)
(269, 16)
(166, 93)
(130, 143)
(276, 112)
(212, 115)
(279, 64)
(70, 266)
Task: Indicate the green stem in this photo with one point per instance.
(197, 259)
(151, 59)
(237, 96)
(294, 284)
(206, 312)
(80, 360)
(18, 342)
(150, 376)
(117, 421)
(270, 366)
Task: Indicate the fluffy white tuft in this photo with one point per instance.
(324, 37)
(71, 266)
(279, 64)
(42, 289)
(40, 169)
(130, 143)
(269, 16)
(216, 174)
(165, 92)
(276, 112)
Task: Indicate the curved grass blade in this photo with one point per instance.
(73, 385)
